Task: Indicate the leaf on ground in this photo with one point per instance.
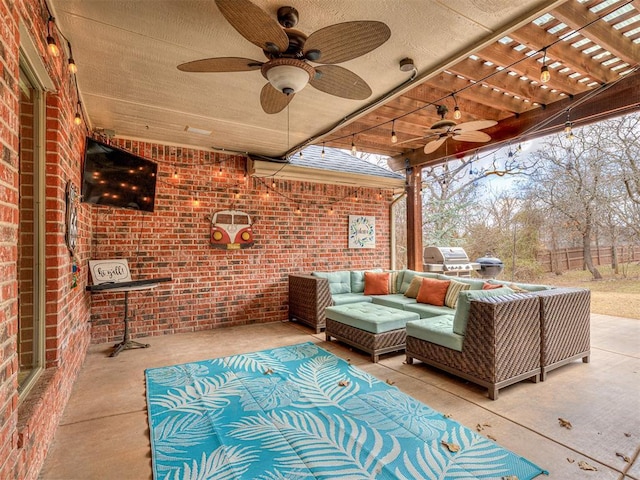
(585, 466)
(627, 434)
(452, 447)
(623, 456)
(565, 423)
(447, 415)
(343, 383)
(390, 382)
(571, 460)
(491, 437)
(268, 371)
(479, 428)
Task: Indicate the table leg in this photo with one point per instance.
(127, 343)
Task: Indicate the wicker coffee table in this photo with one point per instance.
(372, 328)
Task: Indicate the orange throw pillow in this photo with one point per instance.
(433, 291)
(376, 283)
(490, 286)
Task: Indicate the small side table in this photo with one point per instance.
(126, 287)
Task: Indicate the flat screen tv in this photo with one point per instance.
(117, 178)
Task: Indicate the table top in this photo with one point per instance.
(128, 286)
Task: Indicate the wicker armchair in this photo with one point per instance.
(501, 344)
(308, 297)
(564, 327)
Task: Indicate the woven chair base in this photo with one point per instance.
(435, 355)
(585, 356)
(373, 343)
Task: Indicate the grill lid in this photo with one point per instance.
(445, 255)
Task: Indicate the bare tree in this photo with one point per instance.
(573, 182)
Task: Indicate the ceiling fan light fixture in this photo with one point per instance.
(288, 75)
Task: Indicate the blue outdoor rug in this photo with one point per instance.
(300, 412)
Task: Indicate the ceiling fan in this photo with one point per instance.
(444, 129)
(289, 52)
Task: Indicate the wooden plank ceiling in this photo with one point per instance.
(592, 50)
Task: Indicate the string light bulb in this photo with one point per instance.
(545, 75)
(394, 137)
(353, 145)
(175, 174)
(568, 130)
(73, 68)
(457, 114)
(52, 46)
(322, 153)
(77, 119)
(301, 154)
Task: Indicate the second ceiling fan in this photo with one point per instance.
(444, 129)
(289, 53)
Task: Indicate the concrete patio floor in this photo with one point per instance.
(104, 432)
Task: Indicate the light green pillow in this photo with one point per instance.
(464, 305)
(339, 282)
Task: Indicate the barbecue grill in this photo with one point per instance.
(449, 261)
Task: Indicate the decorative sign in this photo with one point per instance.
(109, 271)
(362, 231)
(71, 234)
(231, 230)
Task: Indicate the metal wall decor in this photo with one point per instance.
(71, 234)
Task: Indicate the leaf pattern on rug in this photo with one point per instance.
(235, 422)
(210, 393)
(295, 352)
(328, 445)
(222, 464)
(175, 433)
(319, 382)
(398, 414)
(179, 375)
(434, 461)
(268, 393)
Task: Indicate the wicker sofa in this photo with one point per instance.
(507, 337)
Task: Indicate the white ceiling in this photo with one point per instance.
(127, 52)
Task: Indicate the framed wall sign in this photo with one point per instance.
(71, 231)
(362, 231)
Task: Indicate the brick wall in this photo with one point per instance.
(298, 227)
(27, 430)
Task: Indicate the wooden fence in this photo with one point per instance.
(573, 259)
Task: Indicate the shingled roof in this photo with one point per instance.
(339, 161)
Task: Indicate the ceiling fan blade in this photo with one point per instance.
(472, 136)
(221, 64)
(272, 100)
(474, 125)
(340, 82)
(254, 24)
(433, 146)
(345, 41)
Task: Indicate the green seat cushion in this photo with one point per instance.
(464, 305)
(339, 282)
(396, 300)
(357, 279)
(370, 317)
(438, 330)
(408, 276)
(345, 298)
(426, 310)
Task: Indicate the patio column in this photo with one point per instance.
(414, 218)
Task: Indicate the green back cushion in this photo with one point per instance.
(357, 279)
(339, 282)
(475, 284)
(464, 304)
(529, 287)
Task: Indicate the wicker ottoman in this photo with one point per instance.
(372, 328)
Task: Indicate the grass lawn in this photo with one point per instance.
(617, 295)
